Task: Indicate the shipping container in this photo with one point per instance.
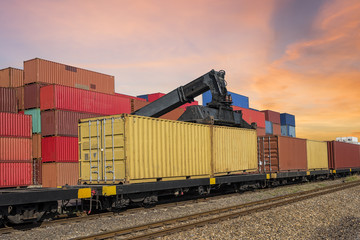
(174, 114)
(15, 125)
(142, 149)
(287, 119)
(131, 97)
(281, 154)
(155, 96)
(234, 150)
(252, 116)
(288, 131)
(15, 149)
(272, 116)
(36, 119)
(145, 97)
(43, 71)
(20, 98)
(78, 100)
(238, 100)
(260, 131)
(59, 174)
(317, 155)
(277, 129)
(36, 171)
(157, 145)
(32, 95)
(137, 104)
(62, 123)
(8, 102)
(15, 174)
(59, 149)
(36, 146)
(343, 155)
(189, 104)
(268, 127)
(11, 77)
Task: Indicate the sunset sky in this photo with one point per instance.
(295, 56)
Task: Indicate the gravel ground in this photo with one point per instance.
(327, 217)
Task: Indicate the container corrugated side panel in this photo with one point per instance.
(36, 146)
(5, 77)
(15, 125)
(56, 73)
(59, 149)
(36, 119)
(155, 149)
(252, 116)
(78, 100)
(343, 155)
(317, 155)
(14, 174)
(16, 77)
(15, 149)
(234, 150)
(59, 174)
(276, 129)
(292, 154)
(8, 102)
(166, 149)
(32, 95)
(20, 98)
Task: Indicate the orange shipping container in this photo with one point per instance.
(15, 149)
(44, 71)
(174, 114)
(260, 131)
(59, 174)
(36, 145)
(276, 129)
(11, 77)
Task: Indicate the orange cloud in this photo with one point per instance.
(318, 79)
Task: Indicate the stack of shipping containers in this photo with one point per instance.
(272, 122)
(15, 131)
(287, 125)
(57, 96)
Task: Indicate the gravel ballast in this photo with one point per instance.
(331, 216)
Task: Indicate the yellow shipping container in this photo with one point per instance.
(129, 148)
(234, 150)
(317, 155)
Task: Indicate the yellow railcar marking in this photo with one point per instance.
(212, 181)
(308, 173)
(84, 193)
(109, 190)
(267, 176)
(334, 171)
(273, 175)
(350, 169)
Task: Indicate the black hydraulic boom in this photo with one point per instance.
(218, 111)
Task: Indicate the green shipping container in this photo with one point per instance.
(36, 119)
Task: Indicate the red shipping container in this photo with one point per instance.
(276, 129)
(272, 116)
(15, 149)
(8, 101)
(282, 154)
(62, 123)
(59, 149)
(261, 131)
(44, 71)
(252, 116)
(343, 155)
(154, 96)
(15, 174)
(131, 97)
(60, 174)
(15, 125)
(32, 95)
(78, 100)
(11, 77)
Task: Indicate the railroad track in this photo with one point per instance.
(166, 227)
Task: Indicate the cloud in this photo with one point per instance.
(318, 79)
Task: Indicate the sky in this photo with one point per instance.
(296, 56)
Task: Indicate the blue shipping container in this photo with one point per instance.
(288, 131)
(143, 97)
(36, 119)
(268, 127)
(238, 100)
(287, 119)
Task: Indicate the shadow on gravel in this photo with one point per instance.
(345, 228)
